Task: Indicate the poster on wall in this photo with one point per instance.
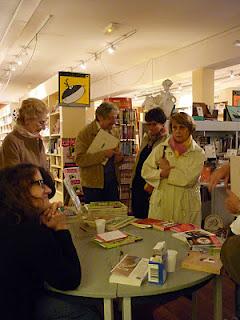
(236, 98)
(74, 89)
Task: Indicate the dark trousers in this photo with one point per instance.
(108, 193)
(140, 199)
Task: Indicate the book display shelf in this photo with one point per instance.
(223, 135)
(64, 125)
(129, 144)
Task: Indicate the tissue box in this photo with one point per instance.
(157, 269)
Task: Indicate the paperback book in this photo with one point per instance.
(131, 270)
(145, 223)
(119, 222)
(202, 262)
(131, 238)
(198, 239)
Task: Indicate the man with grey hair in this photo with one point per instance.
(100, 182)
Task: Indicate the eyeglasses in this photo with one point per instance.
(39, 182)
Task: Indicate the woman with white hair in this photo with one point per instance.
(24, 143)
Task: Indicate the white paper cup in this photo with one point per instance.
(171, 261)
(100, 225)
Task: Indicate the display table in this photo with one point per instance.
(181, 279)
(97, 262)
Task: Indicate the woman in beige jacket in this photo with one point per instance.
(173, 169)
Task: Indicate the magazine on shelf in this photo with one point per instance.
(131, 270)
(200, 261)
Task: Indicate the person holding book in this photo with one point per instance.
(36, 247)
(173, 169)
(100, 179)
(24, 143)
(155, 120)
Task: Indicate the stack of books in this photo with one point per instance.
(108, 209)
(113, 239)
(164, 225)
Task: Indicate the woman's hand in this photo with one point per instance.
(165, 167)
(217, 175)
(53, 218)
(232, 202)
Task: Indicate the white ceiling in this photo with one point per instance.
(75, 30)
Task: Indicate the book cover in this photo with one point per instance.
(131, 238)
(103, 141)
(131, 270)
(111, 236)
(118, 222)
(202, 262)
(182, 227)
(198, 238)
(73, 175)
(145, 223)
(164, 225)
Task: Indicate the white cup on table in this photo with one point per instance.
(100, 225)
(171, 261)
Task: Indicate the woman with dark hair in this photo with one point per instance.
(35, 247)
(155, 120)
(173, 169)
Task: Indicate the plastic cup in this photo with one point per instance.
(171, 261)
(100, 225)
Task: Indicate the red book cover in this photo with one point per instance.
(181, 227)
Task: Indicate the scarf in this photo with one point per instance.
(153, 138)
(20, 129)
(180, 148)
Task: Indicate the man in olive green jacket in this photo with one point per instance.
(100, 182)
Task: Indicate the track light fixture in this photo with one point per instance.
(111, 49)
(83, 65)
(232, 76)
(112, 26)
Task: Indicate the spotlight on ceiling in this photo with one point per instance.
(111, 49)
(236, 43)
(232, 76)
(82, 65)
(112, 26)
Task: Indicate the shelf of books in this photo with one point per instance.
(59, 140)
(222, 135)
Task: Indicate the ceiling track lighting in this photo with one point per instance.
(82, 65)
(111, 49)
(236, 43)
(232, 76)
(112, 26)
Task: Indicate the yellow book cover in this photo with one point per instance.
(200, 261)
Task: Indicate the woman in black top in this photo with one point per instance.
(155, 120)
(35, 246)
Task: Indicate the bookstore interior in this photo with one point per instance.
(208, 90)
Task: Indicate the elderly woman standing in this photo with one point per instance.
(24, 143)
(173, 169)
(155, 121)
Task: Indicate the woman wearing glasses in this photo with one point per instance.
(24, 143)
(35, 247)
